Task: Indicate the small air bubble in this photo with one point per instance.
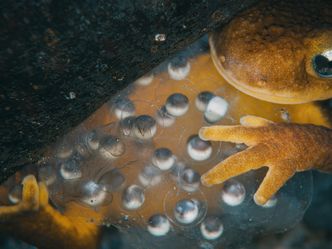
(72, 95)
(160, 37)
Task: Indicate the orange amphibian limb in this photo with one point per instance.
(268, 52)
(35, 221)
(284, 148)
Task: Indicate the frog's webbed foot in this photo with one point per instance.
(34, 197)
(283, 148)
(34, 220)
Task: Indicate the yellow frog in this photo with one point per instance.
(270, 56)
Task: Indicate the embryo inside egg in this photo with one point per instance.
(137, 163)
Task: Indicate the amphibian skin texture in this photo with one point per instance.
(278, 51)
(137, 162)
(268, 51)
(280, 147)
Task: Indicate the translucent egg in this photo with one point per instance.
(177, 170)
(126, 125)
(70, 169)
(233, 193)
(64, 150)
(150, 176)
(145, 127)
(177, 104)
(186, 211)
(93, 194)
(216, 109)
(133, 197)
(92, 140)
(211, 228)
(83, 149)
(47, 174)
(158, 225)
(15, 194)
(87, 144)
(198, 149)
(179, 69)
(202, 100)
(111, 147)
(112, 180)
(163, 118)
(123, 107)
(145, 80)
(190, 180)
(163, 158)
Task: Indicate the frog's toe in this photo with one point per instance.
(29, 202)
(43, 194)
(231, 133)
(254, 121)
(275, 178)
(235, 165)
(38, 223)
(30, 194)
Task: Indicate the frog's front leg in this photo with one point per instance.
(34, 220)
(282, 147)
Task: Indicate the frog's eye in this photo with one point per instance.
(322, 64)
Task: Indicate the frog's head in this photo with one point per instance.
(276, 57)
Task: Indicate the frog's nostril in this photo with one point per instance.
(322, 64)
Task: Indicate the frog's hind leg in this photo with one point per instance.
(31, 199)
(34, 220)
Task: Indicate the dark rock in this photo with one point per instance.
(61, 60)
